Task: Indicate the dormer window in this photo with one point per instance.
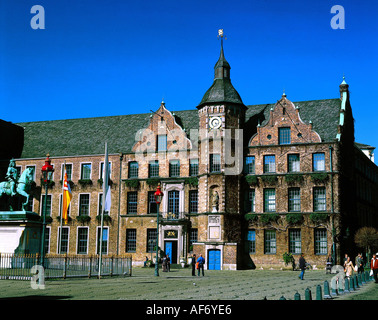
(284, 135)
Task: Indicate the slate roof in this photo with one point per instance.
(221, 91)
(87, 136)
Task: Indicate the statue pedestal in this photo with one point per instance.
(20, 232)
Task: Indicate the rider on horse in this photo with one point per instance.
(12, 176)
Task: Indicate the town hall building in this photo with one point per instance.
(242, 184)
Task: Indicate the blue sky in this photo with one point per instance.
(102, 58)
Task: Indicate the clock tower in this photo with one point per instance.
(221, 116)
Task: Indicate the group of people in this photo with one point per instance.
(349, 268)
(198, 264)
(359, 264)
(166, 263)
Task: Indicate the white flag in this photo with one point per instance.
(106, 180)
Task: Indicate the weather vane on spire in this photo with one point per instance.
(221, 35)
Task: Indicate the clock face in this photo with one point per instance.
(215, 122)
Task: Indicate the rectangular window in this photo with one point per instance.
(193, 238)
(251, 241)
(250, 200)
(293, 163)
(173, 202)
(86, 169)
(100, 200)
(152, 206)
(162, 142)
(320, 241)
(153, 169)
(270, 164)
(270, 242)
(318, 162)
(133, 169)
(64, 240)
(193, 168)
(105, 240)
(294, 199)
(132, 202)
(82, 240)
(295, 241)
(83, 204)
(33, 171)
(131, 240)
(47, 213)
(151, 240)
(193, 201)
(215, 163)
(249, 165)
(284, 135)
(319, 194)
(174, 168)
(102, 169)
(68, 170)
(269, 200)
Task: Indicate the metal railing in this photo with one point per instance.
(18, 267)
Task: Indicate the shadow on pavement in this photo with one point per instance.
(37, 297)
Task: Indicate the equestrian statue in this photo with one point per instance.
(17, 185)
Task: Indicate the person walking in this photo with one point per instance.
(201, 262)
(329, 264)
(194, 265)
(168, 264)
(348, 268)
(302, 266)
(359, 263)
(374, 266)
(164, 264)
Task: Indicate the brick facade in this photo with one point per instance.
(307, 212)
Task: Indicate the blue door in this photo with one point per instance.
(168, 249)
(214, 261)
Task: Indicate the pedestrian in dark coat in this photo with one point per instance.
(194, 265)
(302, 266)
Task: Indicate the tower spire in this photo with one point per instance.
(221, 91)
(222, 67)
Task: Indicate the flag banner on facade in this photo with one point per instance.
(108, 200)
(67, 196)
(106, 180)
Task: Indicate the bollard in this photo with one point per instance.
(356, 284)
(308, 294)
(359, 279)
(326, 290)
(297, 296)
(346, 286)
(363, 280)
(282, 298)
(334, 287)
(341, 285)
(319, 292)
(351, 284)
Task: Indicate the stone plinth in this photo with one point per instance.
(20, 232)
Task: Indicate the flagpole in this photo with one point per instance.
(105, 188)
(61, 210)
